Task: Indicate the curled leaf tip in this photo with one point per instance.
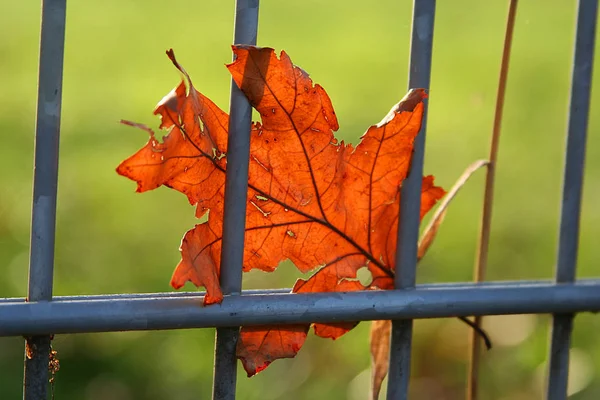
(171, 54)
(409, 103)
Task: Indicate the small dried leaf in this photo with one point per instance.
(380, 354)
(431, 230)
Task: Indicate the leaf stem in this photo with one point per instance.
(486, 219)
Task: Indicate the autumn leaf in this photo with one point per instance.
(320, 203)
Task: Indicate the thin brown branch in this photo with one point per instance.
(486, 219)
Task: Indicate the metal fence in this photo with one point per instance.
(41, 315)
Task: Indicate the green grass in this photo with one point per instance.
(111, 240)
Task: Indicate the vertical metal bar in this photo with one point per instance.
(410, 202)
(43, 218)
(581, 83)
(234, 219)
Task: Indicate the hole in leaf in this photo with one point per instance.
(364, 276)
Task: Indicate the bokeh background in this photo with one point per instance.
(112, 240)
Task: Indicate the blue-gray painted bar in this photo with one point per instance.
(581, 83)
(410, 202)
(196, 294)
(234, 219)
(45, 181)
(107, 315)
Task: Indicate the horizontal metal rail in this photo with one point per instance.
(199, 294)
(64, 315)
(130, 296)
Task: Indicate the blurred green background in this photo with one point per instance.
(111, 240)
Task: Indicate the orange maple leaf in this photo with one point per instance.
(312, 200)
